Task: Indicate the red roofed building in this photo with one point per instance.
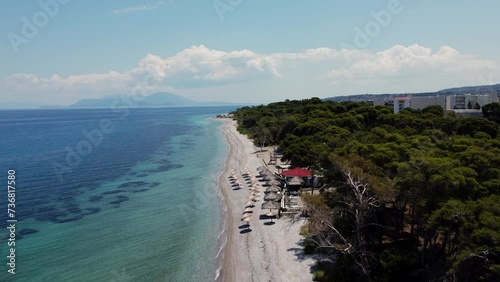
(298, 171)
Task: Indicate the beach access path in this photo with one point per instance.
(264, 252)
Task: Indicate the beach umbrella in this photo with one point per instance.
(248, 210)
(295, 181)
(261, 168)
(247, 219)
(266, 178)
(271, 215)
(252, 197)
(246, 215)
(272, 197)
(273, 182)
(270, 205)
(265, 173)
(273, 189)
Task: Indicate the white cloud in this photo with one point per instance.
(399, 68)
(147, 7)
(412, 60)
(201, 66)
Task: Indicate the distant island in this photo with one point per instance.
(160, 99)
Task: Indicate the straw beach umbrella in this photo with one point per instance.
(272, 197)
(271, 215)
(247, 219)
(273, 189)
(273, 182)
(271, 205)
(265, 172)
(261, 168)
(266, 178)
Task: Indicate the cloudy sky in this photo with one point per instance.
(55, 52)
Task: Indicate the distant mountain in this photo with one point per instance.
(472, 89)
(483, 89)
(154, 100)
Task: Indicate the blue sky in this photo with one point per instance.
(243, 50)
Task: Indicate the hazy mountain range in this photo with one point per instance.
(483, 89)
(160, 99)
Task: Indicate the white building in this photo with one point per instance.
(401, 103)
(469, 101)
(419, 103)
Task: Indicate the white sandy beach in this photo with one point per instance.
(267, 252)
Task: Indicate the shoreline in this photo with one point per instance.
(266, 251)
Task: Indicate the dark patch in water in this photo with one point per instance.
(164, 161)
(154, 184)
(166, 167)
(141, 190)
(89, 211)
(142, 175)
(133, 173)
(27, 231)
(95, 199)
(68, 219)
(20, 234)
(119, 200)
(48, 213)
(73, 208)
(65, 197)
(138, 185)
(133, 184)
(112, 192)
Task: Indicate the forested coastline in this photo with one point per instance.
(412, 196)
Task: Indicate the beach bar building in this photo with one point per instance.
(296, 177)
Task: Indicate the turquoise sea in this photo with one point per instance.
(106, 195)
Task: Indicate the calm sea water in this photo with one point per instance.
(113, 196)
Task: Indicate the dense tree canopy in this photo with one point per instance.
(426, 182)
